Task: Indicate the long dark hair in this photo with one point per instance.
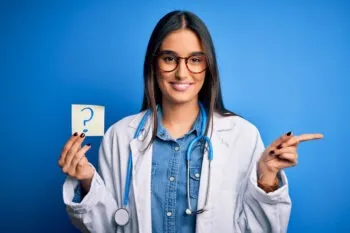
(210, 94)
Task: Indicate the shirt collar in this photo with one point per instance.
(162, 132)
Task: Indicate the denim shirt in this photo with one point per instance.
(168, 181)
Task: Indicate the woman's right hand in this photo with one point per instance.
(74, 162)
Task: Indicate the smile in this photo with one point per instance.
(180, 86)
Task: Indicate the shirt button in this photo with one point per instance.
(197, 175)
(168, 214)
(177, 148)
(171, 178)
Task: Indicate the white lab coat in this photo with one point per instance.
(236, 203)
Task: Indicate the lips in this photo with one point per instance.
(180, 86)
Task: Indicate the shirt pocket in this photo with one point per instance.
(194, 181)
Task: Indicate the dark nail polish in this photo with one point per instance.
(279, 146)
(89, 144)
(82, 135)
(272, 152)
(289, 133)
(75, 134)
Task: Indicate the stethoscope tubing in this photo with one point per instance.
(203, 137)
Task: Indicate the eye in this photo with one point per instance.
(196, 59)
(168, 59)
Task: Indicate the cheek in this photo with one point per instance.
(164, 78)
(161, 80)
(200, 80)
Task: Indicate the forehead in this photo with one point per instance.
(183, 42)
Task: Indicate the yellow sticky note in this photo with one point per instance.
(88, 119)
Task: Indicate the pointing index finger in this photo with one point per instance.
(308, 137)
(303, 138)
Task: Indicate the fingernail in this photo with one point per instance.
(289, 133)
(89, 144)
(82, 135)
(272, 152)
(279, 146)
(75, 134)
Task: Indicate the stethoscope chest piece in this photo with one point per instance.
(121, 216)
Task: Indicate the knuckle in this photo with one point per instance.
(71, 173)
(72, 148)
(60, 163)
(78, 156)
(75, 160)
(82, 162)
(65, 169)
(67, 159)
(80, 153)
(66, 148)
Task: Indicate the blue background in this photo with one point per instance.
(284, 66)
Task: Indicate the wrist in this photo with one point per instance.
(267, 180)
(269, 187)
(86, 183)
(266, 176)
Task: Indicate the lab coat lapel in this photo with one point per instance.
(141, 175)
(221, 152)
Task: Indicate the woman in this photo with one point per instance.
(158, 172)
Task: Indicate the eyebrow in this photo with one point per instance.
(170, 52)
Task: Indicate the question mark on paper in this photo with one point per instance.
(87, 120)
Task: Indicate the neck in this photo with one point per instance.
(179, 118)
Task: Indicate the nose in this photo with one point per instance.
(181, 70)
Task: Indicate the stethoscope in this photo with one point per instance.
(122, 215)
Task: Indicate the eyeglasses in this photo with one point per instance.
(168, 61)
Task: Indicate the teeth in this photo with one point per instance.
(180, 86)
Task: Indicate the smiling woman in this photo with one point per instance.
(184, 163)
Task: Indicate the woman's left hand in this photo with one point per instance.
(282, 153)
